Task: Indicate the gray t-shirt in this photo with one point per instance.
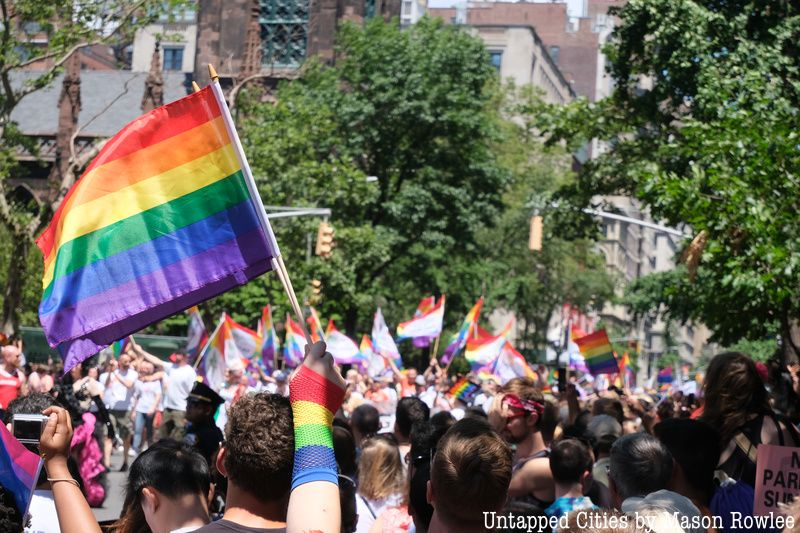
(226, 526)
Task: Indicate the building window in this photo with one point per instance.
(496, 58)
(554, 51)
(284, 32)
(173, 58)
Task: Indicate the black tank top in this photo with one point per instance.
(739, 466)
(529, 498)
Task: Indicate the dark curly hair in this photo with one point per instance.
(259, 445)
(10, 517)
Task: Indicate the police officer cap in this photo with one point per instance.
(203, 393)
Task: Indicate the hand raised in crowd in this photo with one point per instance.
(321, 362)
(794, 371)
(74, 514)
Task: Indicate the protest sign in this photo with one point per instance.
(777, 478)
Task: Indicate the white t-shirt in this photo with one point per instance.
(178, 385)
(117, 396)
(44, 518)
(147, 393)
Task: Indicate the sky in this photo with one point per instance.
(574, 7)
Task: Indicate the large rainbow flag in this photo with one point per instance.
(425, 305)
(19, 469)
(598, 353)
(295, 345)
(459, 340)
(426, 325)
(511, 364)
(344, 350)
(162, 219)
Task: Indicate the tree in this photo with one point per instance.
(702, 129)
(397, 139)
(67, 26)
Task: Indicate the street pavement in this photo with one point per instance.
(115, 496)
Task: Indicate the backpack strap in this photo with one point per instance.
(746, 446)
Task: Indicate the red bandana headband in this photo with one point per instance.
(531, 406)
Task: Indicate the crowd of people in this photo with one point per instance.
(319, 450)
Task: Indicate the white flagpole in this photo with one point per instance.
(277, 261)
(208, 343)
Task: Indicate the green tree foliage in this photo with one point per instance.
(702, 129)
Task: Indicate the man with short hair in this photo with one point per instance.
(179, 378)
(470, 476)
(640, 468)
(118, 396)
(201, 431)
(409, 410)
(12, 379)
(257, 458)
(517, 413)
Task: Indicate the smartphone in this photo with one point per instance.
(562, 380)
(28, 428)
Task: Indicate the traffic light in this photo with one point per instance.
(535, 240)
(316, 288)
(324, 240)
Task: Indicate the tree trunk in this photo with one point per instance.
(790, 337)
(17, 267)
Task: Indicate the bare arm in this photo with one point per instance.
(74, 514)
(140, 352)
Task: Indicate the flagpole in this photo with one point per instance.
(207, 345)
(277, 261)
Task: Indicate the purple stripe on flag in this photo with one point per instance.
(129, 307)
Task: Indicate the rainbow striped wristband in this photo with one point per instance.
(314, 401)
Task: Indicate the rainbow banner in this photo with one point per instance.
(464, 390)
(315, 326)
(598, 353)
(19, 469)
(344, 350)
(425, 305)
(196, 336)
(161, 220)
(427, 325)
(270, 344)
(459, 340)
(294, 349)
(486, 349)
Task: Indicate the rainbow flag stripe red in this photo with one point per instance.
(161, 220)
(19, 469)
(599, 354)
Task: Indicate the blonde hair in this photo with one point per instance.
(380, 470)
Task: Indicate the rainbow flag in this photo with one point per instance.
(598, 353)
(427, 325)
(270, 344)
(511, 364)
(246, 341)
(227, 349)
(486, 349)
(665, 375)
(295, 345)
(161, 220)
(119, 346)
(382, 340)
(464, 390)
(196, 336)
(315, 326)
(344, 350)
(19, 469)
(626, 370)
(425, 305)
(459, 340)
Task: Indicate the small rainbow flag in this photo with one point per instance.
(344, 350)
(269, 340)
(425, 305)
(161, 220)
(119, 346)
(464, 390)
(598, 353)
(19, 469)
(315, 326)
(511, 364)
(196, 336)
(295, 345)
(459, 340)
(486, 349)
(426, 325)
(382, 340)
